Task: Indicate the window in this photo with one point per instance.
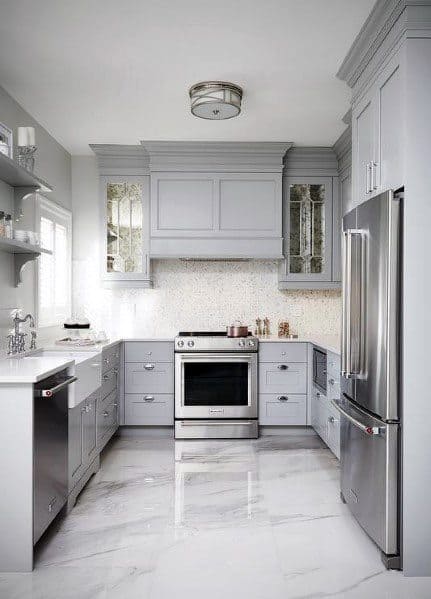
(54, 271)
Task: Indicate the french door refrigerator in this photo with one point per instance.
(370, 404)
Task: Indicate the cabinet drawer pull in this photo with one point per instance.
(373, 175)
(106, 377)
(96, 365)
(282, 398)
(149, 397)
(51, 504)
(105, 414)
(282, 367)
(149, 366)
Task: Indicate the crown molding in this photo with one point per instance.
(382, 19)
(113, 159)
(201, 156)
(311, 160)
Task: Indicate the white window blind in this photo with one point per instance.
(54, 273)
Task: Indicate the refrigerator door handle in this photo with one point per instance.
(352, 367)
(368, 430)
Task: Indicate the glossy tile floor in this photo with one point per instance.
(211, 519)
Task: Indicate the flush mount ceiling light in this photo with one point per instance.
(215, 100)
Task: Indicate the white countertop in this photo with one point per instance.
(330, 343)
(31, 370)
(22, 370)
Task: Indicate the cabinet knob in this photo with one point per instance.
(105, 414)
(317, 395)
(282, 398)
(149, 366)
(331, 381)
(282, 367)
(331, 419)
(106, 377)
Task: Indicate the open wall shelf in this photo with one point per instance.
(23, 181)
(23, 253)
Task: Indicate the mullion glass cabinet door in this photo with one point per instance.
(308, 234)
(126, 230)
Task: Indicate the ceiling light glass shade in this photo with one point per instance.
(215, 100)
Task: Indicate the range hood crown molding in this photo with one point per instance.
(216, 156)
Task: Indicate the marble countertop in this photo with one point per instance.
(330, 343)
(31, 369)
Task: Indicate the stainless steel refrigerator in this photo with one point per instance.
(370, 377)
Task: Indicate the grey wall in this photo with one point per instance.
(53, 164)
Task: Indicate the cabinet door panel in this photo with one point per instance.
(89, 431)
(308, 213)
(390, 97)
(363, 137)
(250, 205)
(76, 444)
(183, 205)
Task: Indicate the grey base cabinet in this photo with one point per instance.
(325, 419)
(107, 408)
(82, 438)
(149, 383)
(283, 384)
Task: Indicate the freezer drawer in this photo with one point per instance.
(369, 474)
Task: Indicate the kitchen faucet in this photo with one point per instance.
(17, 339)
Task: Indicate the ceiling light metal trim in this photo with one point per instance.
(215, 100)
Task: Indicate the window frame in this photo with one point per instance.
(61, 216)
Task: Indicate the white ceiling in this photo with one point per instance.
(118, 71)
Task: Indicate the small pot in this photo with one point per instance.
(237, 330)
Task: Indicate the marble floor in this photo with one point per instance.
(211, 519)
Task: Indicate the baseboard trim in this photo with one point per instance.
(291, 431)
(146, 431)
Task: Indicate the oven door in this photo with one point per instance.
(222, 385)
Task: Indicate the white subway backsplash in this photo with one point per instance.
(192, 295)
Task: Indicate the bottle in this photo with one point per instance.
(2, 224)
(8, 226)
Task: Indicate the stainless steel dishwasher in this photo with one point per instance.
(50, 469)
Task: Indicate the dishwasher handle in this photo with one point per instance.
(53, 390)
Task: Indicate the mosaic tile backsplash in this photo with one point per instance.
(201, 296)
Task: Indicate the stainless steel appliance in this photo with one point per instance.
(50, 450)
(370, 404)
(215, 386)
(319, 369)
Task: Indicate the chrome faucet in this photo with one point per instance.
(17, 338)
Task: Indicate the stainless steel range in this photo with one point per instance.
(215, 386)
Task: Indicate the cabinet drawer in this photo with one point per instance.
(111, 358)
(151, 351)
(149, 377)
(282, 378)
(333, 365)
(109, 382)
(282, 352)
(156, 409)
(283, 409)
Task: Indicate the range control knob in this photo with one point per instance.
(241, 343)
(190, 343)
(180, 343)
(251, 343)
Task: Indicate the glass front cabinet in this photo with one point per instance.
(311, 231)
(125, 231)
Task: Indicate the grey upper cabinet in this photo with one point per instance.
(311, 220)
(216, 200)
(125, 216)
(377, 151)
